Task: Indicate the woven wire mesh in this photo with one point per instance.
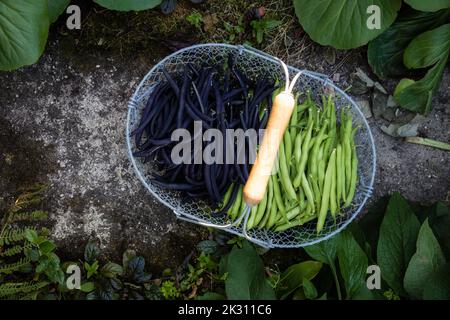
(255, 64)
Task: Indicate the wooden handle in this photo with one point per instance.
(256, 185)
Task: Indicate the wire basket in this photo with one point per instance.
(255, 64)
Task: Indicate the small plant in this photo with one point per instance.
(234, 31)
(195, 19)
(25, 250)
(260, 28)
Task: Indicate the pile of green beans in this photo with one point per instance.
(316, 170)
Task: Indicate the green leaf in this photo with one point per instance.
(56, 8)
(437, 286)
(432, 47)
(385, 53)
(246, 279)
(352, 262)
(31, 235)
(211, 296)
(87, 287)
(427, 260)
(208, 246)
(397, 242)
(47, 246)
(429, 5)
(32, 254)
(293, 277)
(91, 252)
(91, 269)
(324, 251)
(23, 32)
(440, 224)
(309, 289)
(112, 270)
(428, 48)
(343, 23)
(128, 5)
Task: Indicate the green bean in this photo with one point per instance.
(263, 222)
(261, 209)
(326, 193)
(316, 192)
(304, 156)
(294, 120)
(288, 149)
(251, 219)
(298, 148)
(308, 192)
(314, 155)
(333, 204)
(234, 211)
(284, 174)
(277, 195)
(227, 196)
(339, 175)
(273, 214)
(321, 173)
(353, 179)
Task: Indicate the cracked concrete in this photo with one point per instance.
(62, 122)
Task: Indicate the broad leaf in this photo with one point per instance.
(309, 289)
(324, 251)
(128, 5)
(429, 5)
(246, 279)
(343, 24)
(427, 260)
(56, 8)
(397, 242)
(112, 270)
(293, 277)
(437, 286)
(211, 296)
(440, 224)
(428, 48)
(352, 262)
(91, 252)
(23, 32)
(385, 53)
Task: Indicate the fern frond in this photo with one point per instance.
(13, 235)
(28, 216)
(29, 197)
(10, 289)
(15, 266)
(12, 251)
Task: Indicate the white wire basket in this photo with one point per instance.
(254, 64)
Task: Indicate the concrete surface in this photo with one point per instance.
(62, 122)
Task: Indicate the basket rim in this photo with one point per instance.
(314, 75)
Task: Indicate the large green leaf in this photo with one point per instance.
(428, 48)
(324, 251)
(56, 8)
(437, 286)
(397, 242)
(385, 53)
(427, 260)
(429, 5)
(128, 5)
(352, 263)
(23, 32)
(343, 23)
(440, 224)
(431, 47)
(246, 279)
(293, 277)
